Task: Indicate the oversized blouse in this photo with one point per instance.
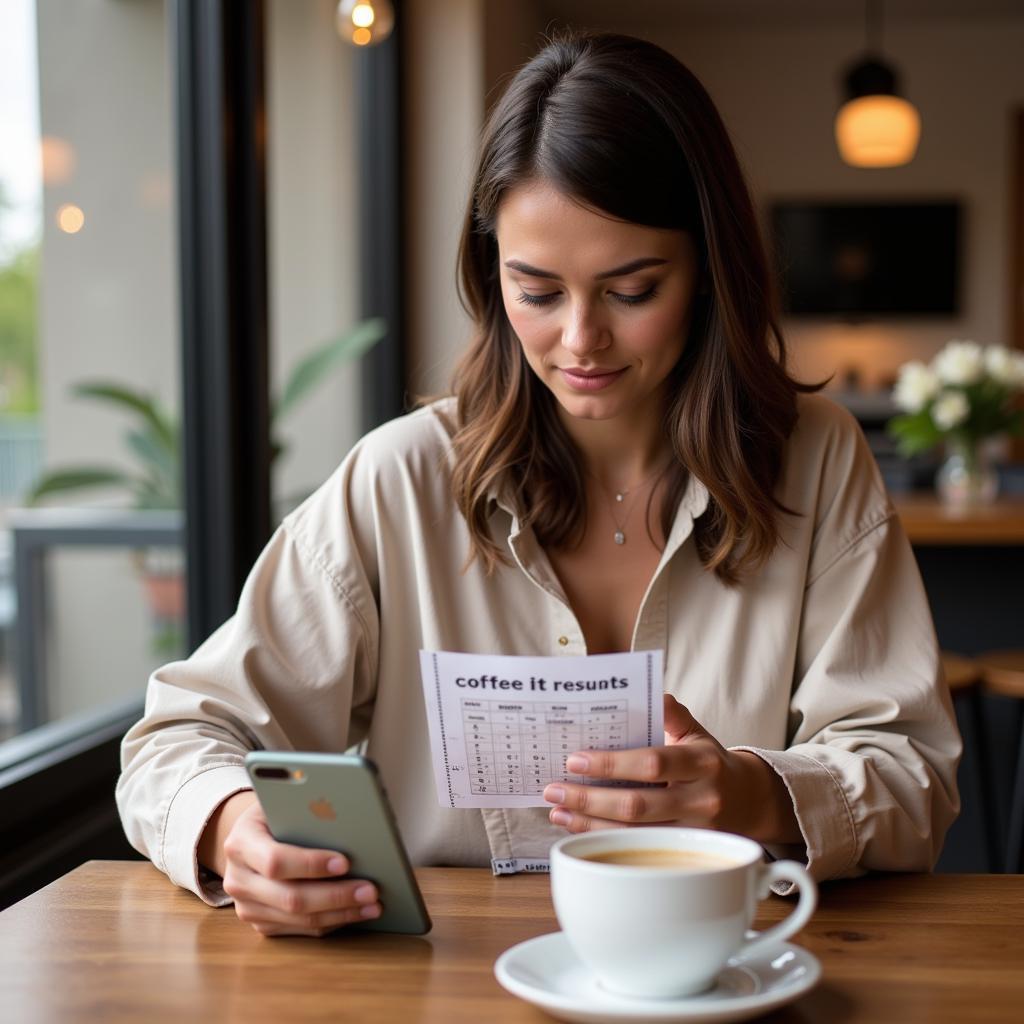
(824, 663)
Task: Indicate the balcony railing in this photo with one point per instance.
(33, 533)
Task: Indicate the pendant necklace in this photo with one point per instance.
(620, 497)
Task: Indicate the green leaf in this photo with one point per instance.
(147, 499)
(914, 432)
(311, 370)
(169, 640)
(1015, 423)
(156, 492)
(160, 463)
(19, 328)
(145, 406)
(76, 479)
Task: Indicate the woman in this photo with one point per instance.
(625, 463)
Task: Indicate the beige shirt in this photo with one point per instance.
(824, 664)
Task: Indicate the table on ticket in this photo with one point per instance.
(502, 726)
(515, 748)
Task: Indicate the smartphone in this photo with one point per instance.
(337, 802)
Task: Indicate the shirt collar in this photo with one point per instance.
(531, 559)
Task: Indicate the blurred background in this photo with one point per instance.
(175, 297)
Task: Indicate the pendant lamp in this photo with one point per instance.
(875, 126)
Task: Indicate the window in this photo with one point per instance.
(89, 359)
(117, 171)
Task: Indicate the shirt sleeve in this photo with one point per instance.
(293, 668)
(871, 765)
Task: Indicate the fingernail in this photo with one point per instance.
(555, 794)
(369, 912)
(336, 866)
(578, 764)
(365, 894)
(560, 817)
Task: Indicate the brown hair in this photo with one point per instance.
(578, 116)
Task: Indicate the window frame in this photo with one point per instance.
(57, 781)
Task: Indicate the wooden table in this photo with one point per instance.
(115, 942)
(927, 521)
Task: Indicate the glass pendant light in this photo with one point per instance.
(875, 126)
(365, 22)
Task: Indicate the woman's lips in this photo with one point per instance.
(591, 380)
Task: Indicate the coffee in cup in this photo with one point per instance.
(657, 912)
(657, 857)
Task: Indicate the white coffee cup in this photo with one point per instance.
(663, 932)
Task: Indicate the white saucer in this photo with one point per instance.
(545, 971)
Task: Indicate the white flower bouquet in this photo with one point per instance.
(967, 393)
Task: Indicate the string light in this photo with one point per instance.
(70, 218)
(365, 22)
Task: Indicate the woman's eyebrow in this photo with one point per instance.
(626, 268)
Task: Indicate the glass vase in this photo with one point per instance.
(967, 477)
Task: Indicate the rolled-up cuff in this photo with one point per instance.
(822, 814)
(190, 810)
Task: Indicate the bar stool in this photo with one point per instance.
(1003, 673)
(964, 677)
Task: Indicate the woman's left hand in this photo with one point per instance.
(703, 786)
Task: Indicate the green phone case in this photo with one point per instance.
(338, 803)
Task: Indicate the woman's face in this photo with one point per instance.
(602, 307)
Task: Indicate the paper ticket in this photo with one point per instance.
(501, 727)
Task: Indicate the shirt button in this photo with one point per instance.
(563, 640)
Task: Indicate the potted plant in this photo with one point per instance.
(968, 394)
(155, 480)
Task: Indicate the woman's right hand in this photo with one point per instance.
(281, 889)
